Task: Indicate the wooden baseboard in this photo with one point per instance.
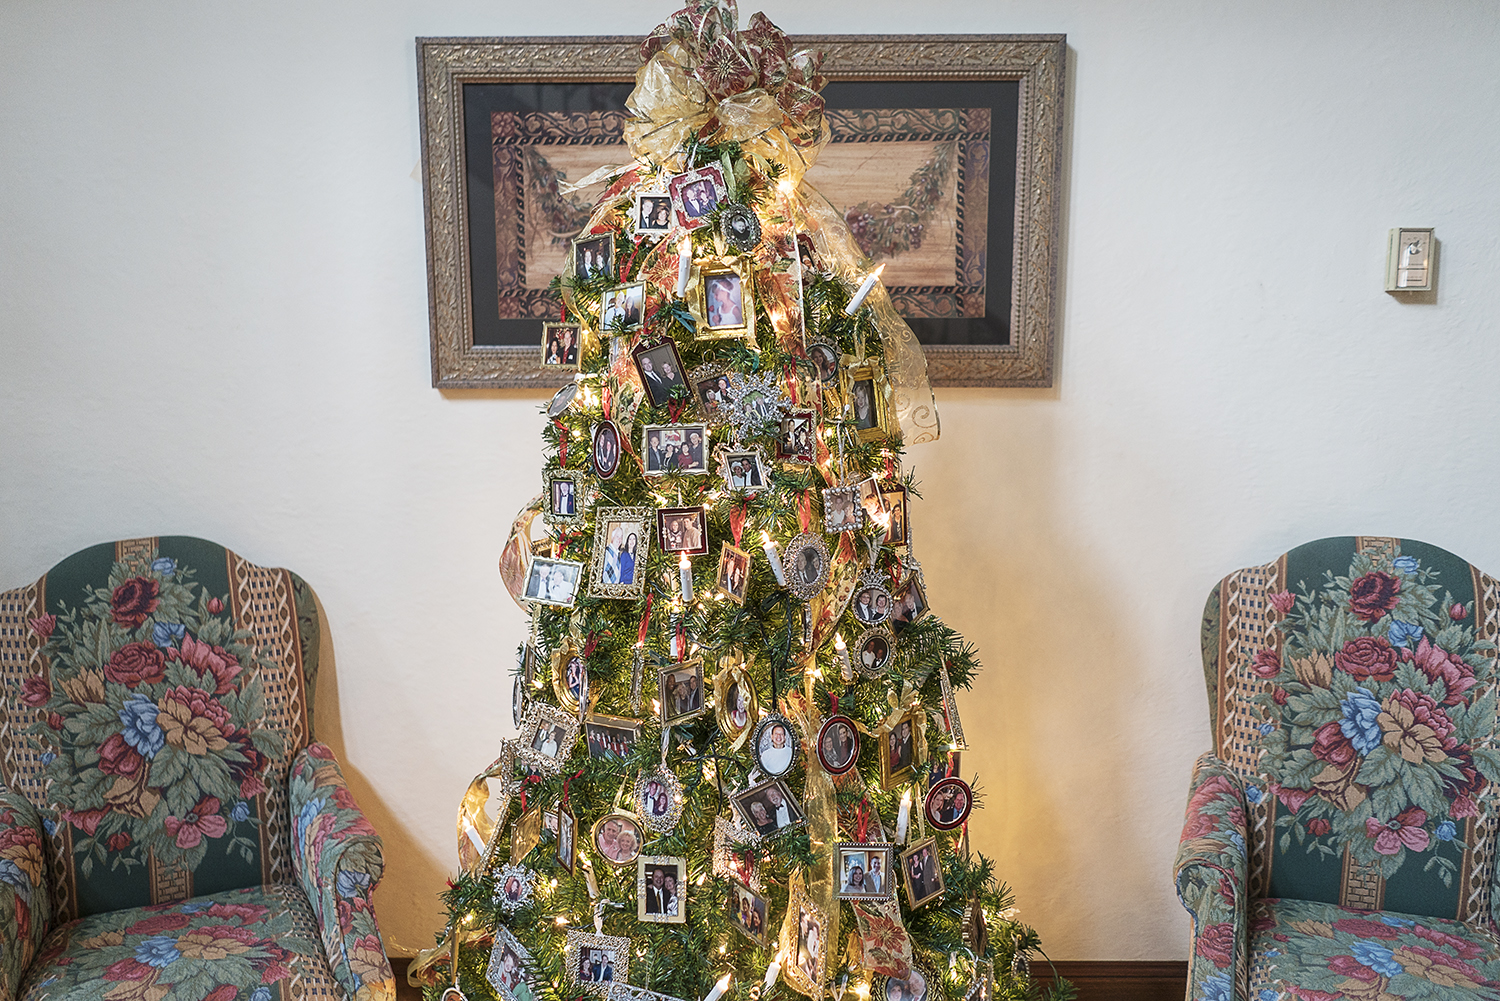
(1112, 980)
(1096, 981)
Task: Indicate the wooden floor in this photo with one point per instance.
(1121, 981)
(1103, 981)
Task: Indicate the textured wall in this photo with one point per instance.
(213, 320)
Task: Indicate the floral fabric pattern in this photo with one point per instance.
(245, 944)
(338, 862)
(25, 897)
(148, 720)
(1378, 715)
(1210, 875)
(1313, 951)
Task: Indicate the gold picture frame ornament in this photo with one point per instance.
(612, 535)
(721, 298)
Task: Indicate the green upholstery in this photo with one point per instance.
(157, 725)
(1352, 697)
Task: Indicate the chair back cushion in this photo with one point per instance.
(155, 692)
(1352, 687)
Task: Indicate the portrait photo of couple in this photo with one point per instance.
(560, 345)
(553, 582)
(696, 193)
(660, 369)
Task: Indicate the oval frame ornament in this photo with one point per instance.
(664, 822)
(794, 742)
(930, 805)
(828, 730)
(807, 552)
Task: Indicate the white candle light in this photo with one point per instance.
(846, 671)
(684, 265)
(903, 818)
(719, 989)
(773, 557)
(864, 290)
(685, 570)
(772, 972)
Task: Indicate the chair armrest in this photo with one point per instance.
(25, 892)
(1210, 873)
(337, 859)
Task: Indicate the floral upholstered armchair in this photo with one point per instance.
(169, 830)
(1340, 839)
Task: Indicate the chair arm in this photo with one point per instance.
(25, 893)
(338, 862)
(1210, 872)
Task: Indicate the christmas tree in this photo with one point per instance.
(738, 767)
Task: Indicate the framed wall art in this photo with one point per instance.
(965, 130)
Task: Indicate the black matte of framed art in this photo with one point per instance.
(980, 116)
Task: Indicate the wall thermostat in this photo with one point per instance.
(1409, 266)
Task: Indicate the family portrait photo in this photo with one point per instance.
(611, 736)
(865, 871)
(713, 393)
(696, 193)
(724, 300)
(674, 448)
(912, 987)
(797, 443)
(661, 889)
(653, 213)
(866, 409)
(594, 255)
(622, 544)
(825, 359)
(838, 745)
(595, 961)
(873, 650)
(910, 603)
(775, 745)
(747, 913)
(560, 345)
(507, 969)
(806, 562)
(734, 573)
(768, 807)
(570, 677)
(924, 876)
(604, 457)
(682, 530)
(841, 509)
(948, 803)
(896, 532)
(618, 838)
(553, 582)
(872, 605)
(898, 751)
(660, 369)
(681, 691)
(743, 471)
(735, 703)
(620, 308)
(810, 943)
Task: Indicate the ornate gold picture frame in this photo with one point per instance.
(479, 143)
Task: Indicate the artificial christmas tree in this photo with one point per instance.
(739, 749)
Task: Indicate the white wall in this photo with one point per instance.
(213, 321)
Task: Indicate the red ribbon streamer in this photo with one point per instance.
(608, 399)
(567, 782)
(562, 312)
(629, 263)
(588, 647)
(890, 467)
(737, 515)
(804, 510)
(562, 442)
(640, 639)
(862, 820)
(524, 783)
